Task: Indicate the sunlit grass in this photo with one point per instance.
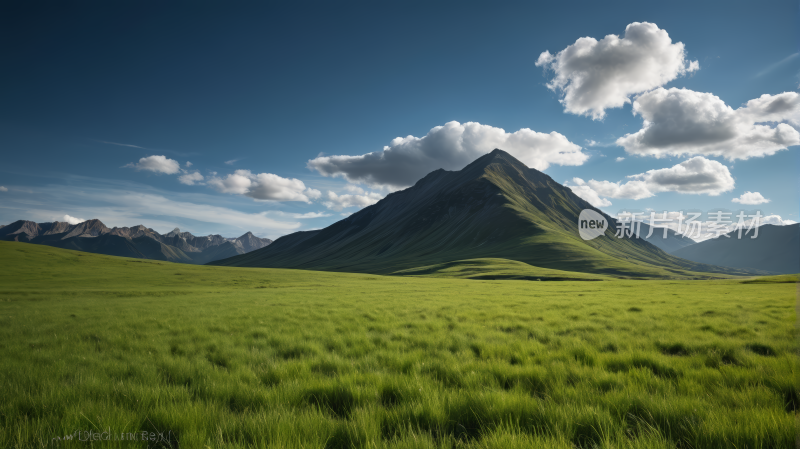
(282, 358)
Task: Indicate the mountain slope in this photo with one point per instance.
(496, 207)
(776, 249)
(671, 243)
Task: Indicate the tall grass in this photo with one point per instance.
(226, 357)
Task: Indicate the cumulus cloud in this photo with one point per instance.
(313, 194)
(684, 122)
(775, 220)
(620, 159)
(451, 147)
(633, 190)
(774, 108)
(352, 188)
(339, 202)
(188, 164)
(588, 194)
(694, 176)
(72, 220)
(751, 198)
(157, 164)
(264, 186)
(597, 75)
(3, 189)
(191, 179)
(697, 175)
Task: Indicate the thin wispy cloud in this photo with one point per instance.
(232, 161)
(177, 153)
(777, 65)
(123, 203)
(122, 144)
(300, 216)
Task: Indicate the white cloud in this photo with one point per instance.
(313, 194)
(72, 220)
(751, 198)
(587, 193)
(157, 164)
(451, 147)
(620, 159)
(310, 215)
(191, 179)
(231, 162)
(775, 220)
(339, 202)
(694, 176)
(302, 216)
(188, 164)
(352, 188)
(774, 108)
(591, 143)
(633, 190)
(684, 122)
(264, 186)
(237, 183)
(3, 189)
(597, 75)
(697, 175)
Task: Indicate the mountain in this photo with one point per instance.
(671, 243)
(776, 249)
(494, 208)
(138, 241)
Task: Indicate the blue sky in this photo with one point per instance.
(92, 90)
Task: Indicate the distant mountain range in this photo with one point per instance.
(495, 207)
(776, 249)
(137, 241)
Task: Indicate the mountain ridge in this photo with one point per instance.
(776, 250)
(136, 241)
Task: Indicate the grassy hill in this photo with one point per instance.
(255, 358)
(497, 269)
(496, 208)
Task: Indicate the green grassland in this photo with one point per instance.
(248, 357)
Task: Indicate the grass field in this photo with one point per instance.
(235, 357)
